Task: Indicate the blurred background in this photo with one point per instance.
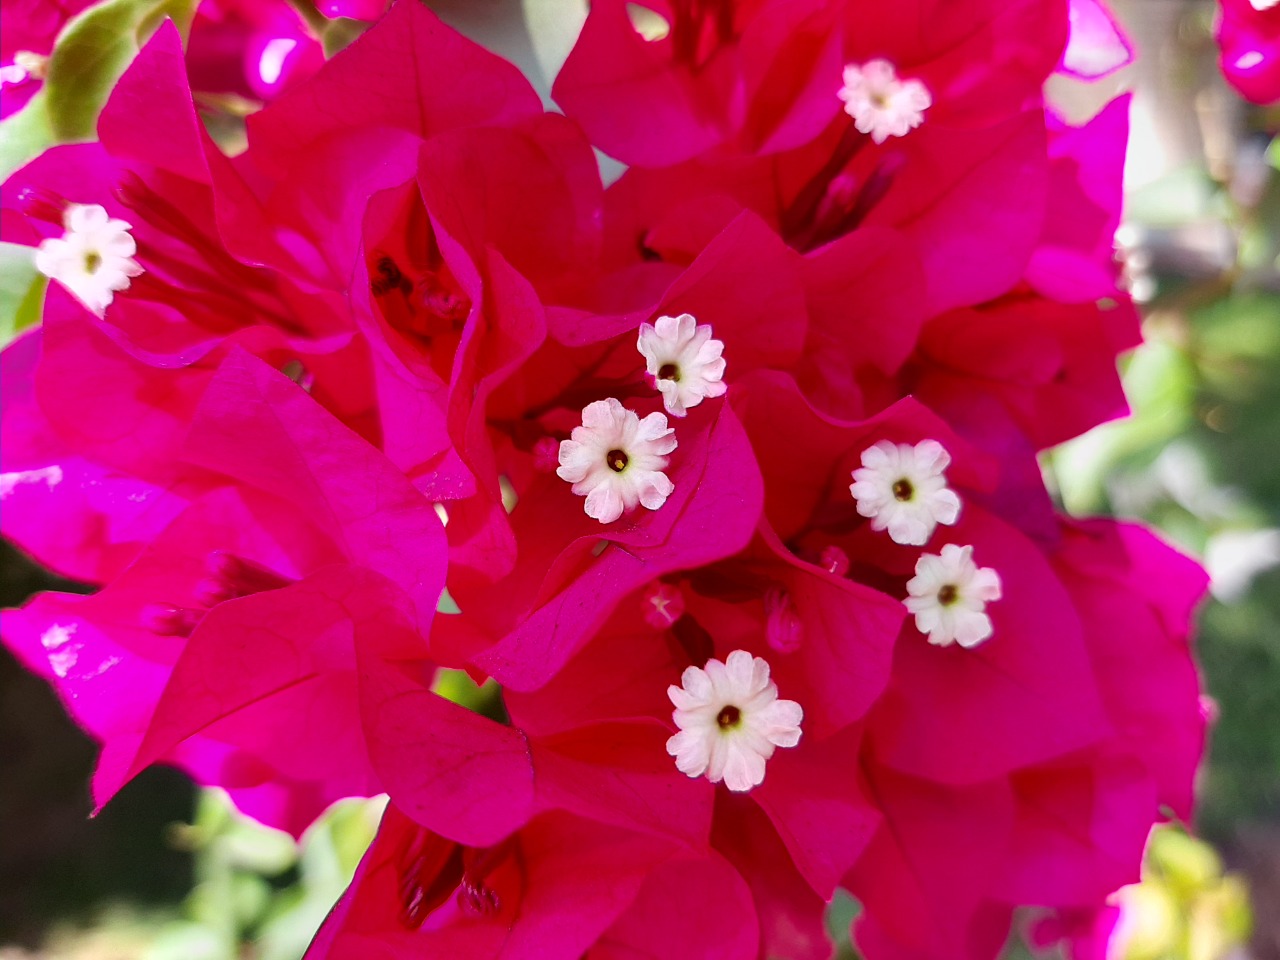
(168, 872)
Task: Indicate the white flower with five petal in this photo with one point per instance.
(902, 488)
(684, 361)
(93, 259)
(949, 596)
(880, 103)
(730, 721)
(616, 460)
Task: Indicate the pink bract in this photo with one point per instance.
(1250, 42)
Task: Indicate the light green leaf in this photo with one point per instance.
(340, 34)
(189, 941)
(90, 55)
(93, 51)
(21, 291)
(24, 136)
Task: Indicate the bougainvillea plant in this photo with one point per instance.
(722, 478)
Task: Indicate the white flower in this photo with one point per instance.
(730, 721)
(902, 488)
(1261, 5)
(616, 460)
(684, 361)
(880, 103)
(93, 259)
(949, 596)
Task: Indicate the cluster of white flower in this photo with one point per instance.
(902, 488)
(616, 459)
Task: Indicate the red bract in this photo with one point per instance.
(942, 188)
(1065, 833)
(571, 572)
(1023, 365)
(85, 520)
(549, 890)
(194, 299)
(811, 800)
(659, 83)
(1125, 582)
(281, 563)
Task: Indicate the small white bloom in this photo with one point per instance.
(93, 259)
(902, 489)
(1261, 5)
(880, 103)
(684, 361)
(730, 721)
(949, 596)
(616, 460)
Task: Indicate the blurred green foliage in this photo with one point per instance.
(258, 895)
(1186, 907)
(21, 291)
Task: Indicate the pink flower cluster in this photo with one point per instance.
(726, 475)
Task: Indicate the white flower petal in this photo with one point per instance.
(901, 488)
(93, 259)
(686, 364)
(616, 460)
(728, 712)
(879, 102)
(949, 594)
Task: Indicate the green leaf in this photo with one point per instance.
(24, 136)
(340, 34)
(92, 53)
(21, 291)
(189, 941)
